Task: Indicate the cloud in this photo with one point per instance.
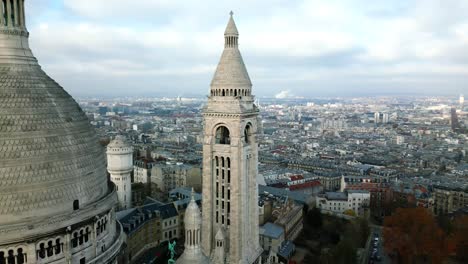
(283, 95)
(312, 47)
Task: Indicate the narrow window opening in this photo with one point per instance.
(50, 249)
(42, 253)
(76, 205)
(58, 247)
(20, 257)
(11, 257)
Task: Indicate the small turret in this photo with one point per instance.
(220, 247)
(192, 221)
(120, 165)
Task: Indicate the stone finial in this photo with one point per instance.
(231, 13)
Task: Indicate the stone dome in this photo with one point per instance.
(51, 162)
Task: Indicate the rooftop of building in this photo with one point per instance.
(271, 230)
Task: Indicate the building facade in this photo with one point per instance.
(340, 202)
(230, 233)
(449, 199)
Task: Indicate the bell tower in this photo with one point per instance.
(230, 157)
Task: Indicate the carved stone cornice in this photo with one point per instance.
(14, 32)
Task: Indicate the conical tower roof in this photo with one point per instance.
(51, 162)
(231, 29)
(231, 71)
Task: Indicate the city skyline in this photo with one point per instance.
(298, 49)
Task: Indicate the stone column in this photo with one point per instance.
(67, 246)
(23, 15)
(2, 12)
(95, 236)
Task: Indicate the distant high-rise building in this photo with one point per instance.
(120, 166)
(385, 118)
(454, 119)
(376, 117)
(462, 101)
(56, 203)
(230, 231)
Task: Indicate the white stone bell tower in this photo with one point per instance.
(230, 157)
(120, 165)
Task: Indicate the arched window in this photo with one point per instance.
(11, 257)
(76, 205)
(2, 257)
(222, 135)
(228, 163)
(50, 249)
(58, 246)
(20, 257)
(81, 237)
(247, 134)
(223, 93)
(86, 236)
(75, 240)
(42, 252)
(98, 228)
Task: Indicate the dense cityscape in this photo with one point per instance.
(319, 153)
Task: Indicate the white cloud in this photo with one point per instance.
(283, 95)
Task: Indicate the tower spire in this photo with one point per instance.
(231, 35)
(231, 78)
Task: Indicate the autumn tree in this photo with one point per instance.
(414, 236)
(460, 237)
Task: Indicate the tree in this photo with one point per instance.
(363, 230)
(414, 236)
(460, 237)
(345, 252)
(350, 212)
(314, 218)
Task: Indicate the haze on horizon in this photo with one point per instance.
(291, 48)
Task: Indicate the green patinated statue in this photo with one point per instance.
(171, 247)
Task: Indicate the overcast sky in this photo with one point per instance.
(291, 47)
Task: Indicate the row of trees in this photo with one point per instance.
(414, 235)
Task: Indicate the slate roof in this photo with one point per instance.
(133, 219)
(271, 230)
